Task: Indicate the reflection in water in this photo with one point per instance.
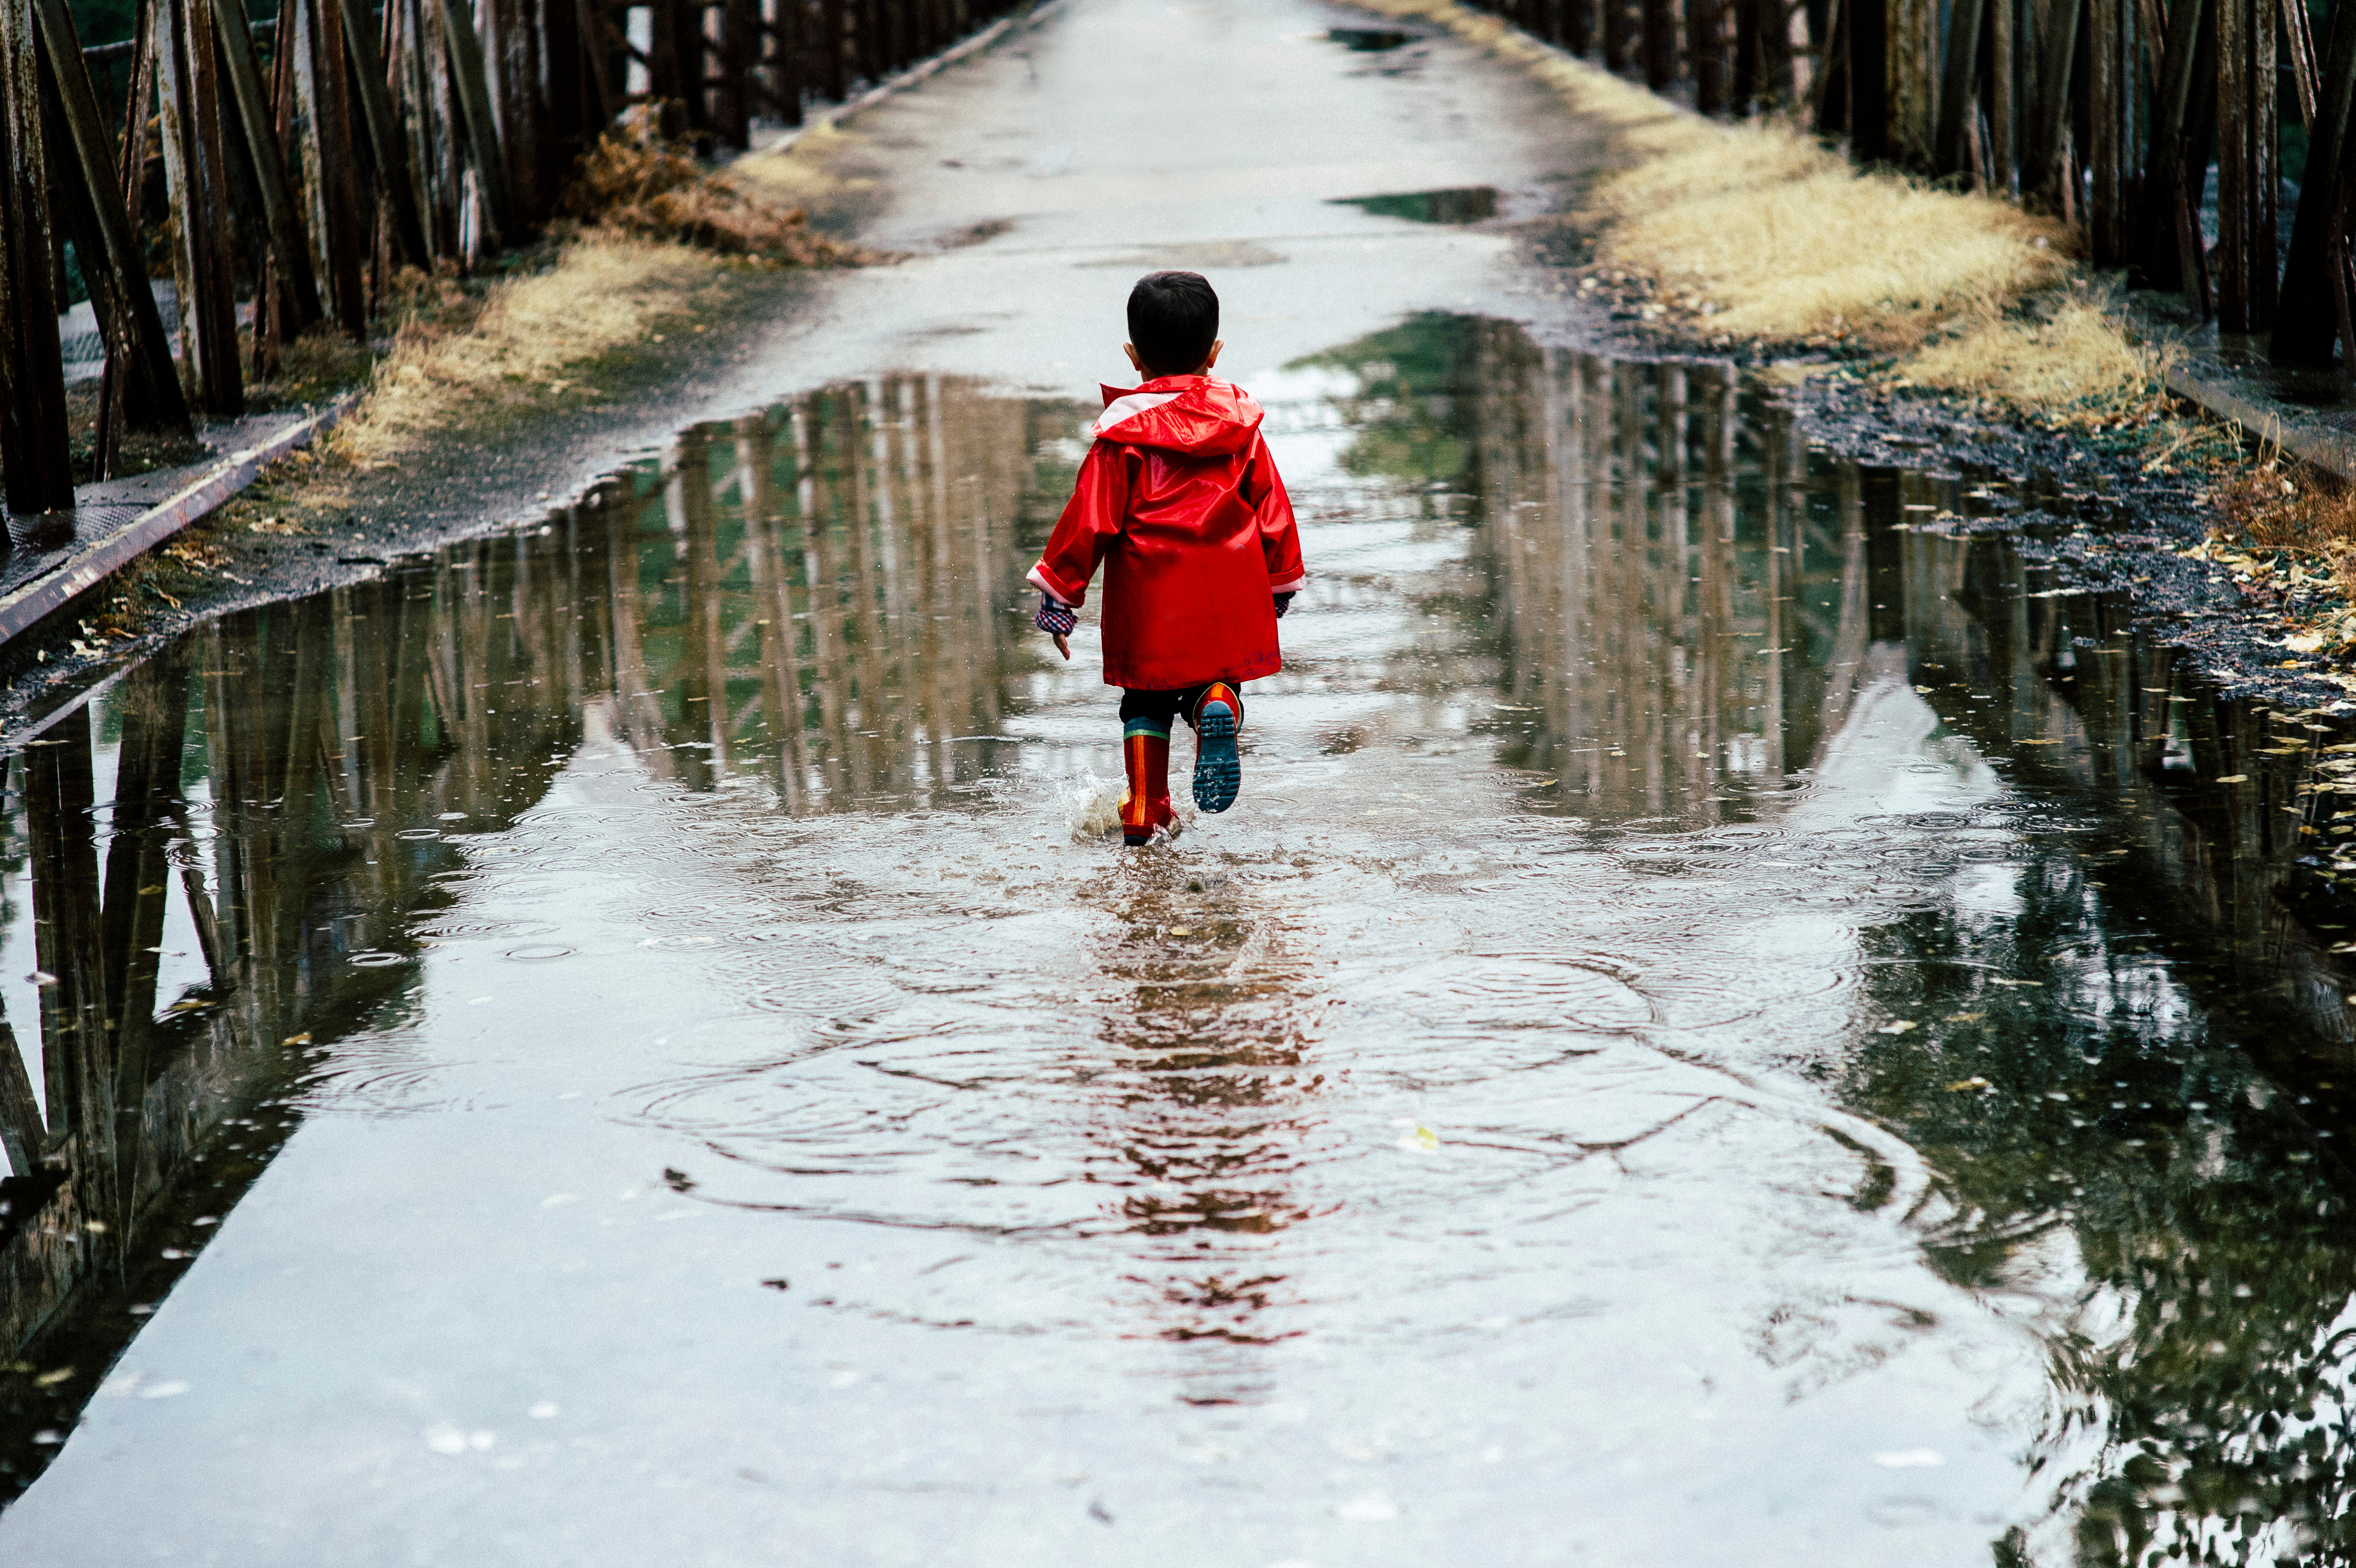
(815, 596)
(2105, 1044)
(1208, 1097)
(1461, 204)
(2103, 1130)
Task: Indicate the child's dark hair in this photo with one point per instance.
(1173, 319)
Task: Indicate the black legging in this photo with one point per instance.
(1168, 705)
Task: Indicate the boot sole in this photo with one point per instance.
(1218, 771)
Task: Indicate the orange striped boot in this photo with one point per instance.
(1145, 753)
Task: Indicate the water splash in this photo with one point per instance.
(1092, 805)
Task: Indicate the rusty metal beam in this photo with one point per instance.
(834, 80)
(1958, 97)
(2158, 254)
(196, 174)
(330, 161)
(1704, 52)
(513, 70)
(386, 144)
(1659, 28)
(2247, 240)
(290, 247)
(599, 104)
(2105, 88)
(2043, 175)
(36, 462)
(473, 91)
(785, 89)
(2305, 313)
(740, 52)
(109, 257)
(125, 401)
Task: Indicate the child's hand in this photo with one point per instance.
(1283, 602)
(1056, 620)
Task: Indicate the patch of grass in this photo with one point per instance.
(1757, 232)
(1790, 243)
(312, 368)
(2064, 358)
(2268, 508)
(136, 451)
(459, 353)
(635, 183)
(651, 233)
(2286, 534)
(827, 171)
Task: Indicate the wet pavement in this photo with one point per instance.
(1719, 1018)
(1729, 1024)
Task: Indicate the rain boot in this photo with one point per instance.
(1218, 771)
(1145, 809)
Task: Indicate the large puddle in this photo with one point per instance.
(1727, 1024)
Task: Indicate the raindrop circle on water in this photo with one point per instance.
(538, 951)
(419, 833)
(375, 960)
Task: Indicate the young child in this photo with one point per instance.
(1178, 500)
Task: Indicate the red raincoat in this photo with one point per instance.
(1180, 501)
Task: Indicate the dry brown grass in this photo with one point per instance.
(654, 233)
(635, 183)
(1791, 242)
(314, 366)
(457, 354)
(2287, 535)
(1755, 231)
(2273, 506)
(2067, 355)
(826, 170)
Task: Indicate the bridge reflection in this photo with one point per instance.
(1664, 608)
(824, 595)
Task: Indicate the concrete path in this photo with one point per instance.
(881, 1183)
(1216, 136)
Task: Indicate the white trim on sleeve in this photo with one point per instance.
(1291, 587)
(1038, 579)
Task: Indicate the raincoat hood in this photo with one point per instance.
(1193, 414)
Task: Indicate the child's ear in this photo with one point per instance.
(1134, 362)
(1216, 344)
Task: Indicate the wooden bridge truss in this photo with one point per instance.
(2108, 114)
(295, 164)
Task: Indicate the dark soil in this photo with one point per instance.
(2087, 505)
